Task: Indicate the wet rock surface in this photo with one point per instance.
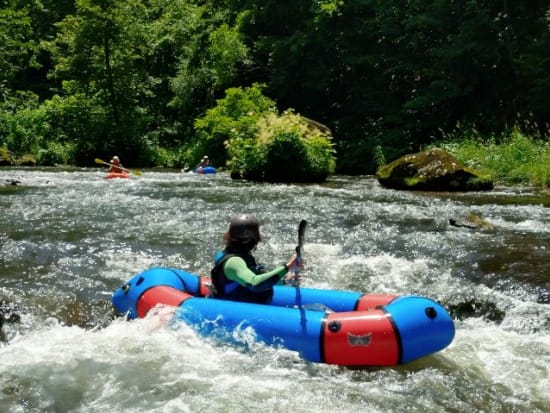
(431, 170)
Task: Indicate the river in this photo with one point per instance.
(69, 238)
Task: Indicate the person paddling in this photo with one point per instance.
(205, 161)
(236, 275)
(116, 166)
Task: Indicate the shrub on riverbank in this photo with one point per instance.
(285, 148)
(511, 159)
(234, 116)
(246, 131)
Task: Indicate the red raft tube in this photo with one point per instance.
(325, 326)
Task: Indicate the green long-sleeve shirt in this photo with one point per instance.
(236, 270)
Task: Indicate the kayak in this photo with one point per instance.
(324, 326)
(112, 175)
(205, 170)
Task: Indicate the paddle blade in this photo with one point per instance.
(301, 233)
(301, 236)
(101, 161)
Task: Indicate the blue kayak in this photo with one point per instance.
(325, 326)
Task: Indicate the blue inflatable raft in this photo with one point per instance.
(205, 170)
(325, 326)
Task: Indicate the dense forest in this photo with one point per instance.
(87, 78)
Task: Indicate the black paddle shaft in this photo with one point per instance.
(301, 236)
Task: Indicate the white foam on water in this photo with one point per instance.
(517, 364)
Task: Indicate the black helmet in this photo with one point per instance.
(245, 229)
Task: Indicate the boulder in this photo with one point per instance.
(471, 221)
(9, 182)
(431, 170)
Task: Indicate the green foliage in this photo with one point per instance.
(285, 148)
(261, 145)
(6, 157)
(133, 76)
(79, 123)
(100, 52)
(210, 58)
(394, 73)
(379, 157)
(59, 131)
(57, 153)
(330, 6)
(226, 52)
(513, 158)
(24, 130)
(167, 158)
(234, 117)
(320, 156)
(18, 51)
(26, 160)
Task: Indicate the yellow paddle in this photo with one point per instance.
(134, 171)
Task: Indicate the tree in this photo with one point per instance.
(18, 51)
(213, 57)
(99, 54)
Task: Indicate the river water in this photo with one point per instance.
(69, 238)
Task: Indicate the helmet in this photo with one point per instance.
(245, 229)
(115, 158)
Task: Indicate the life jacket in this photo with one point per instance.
(227, 289)
(116, 169)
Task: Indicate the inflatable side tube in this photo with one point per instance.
(361, 338)
(406, 329)
(423, 326)
(372, 301)
(334, 300)
(295, 329)
(168, 296)
(286, 296)
(125, 299)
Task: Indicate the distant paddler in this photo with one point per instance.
(116, 167)
(203, 167)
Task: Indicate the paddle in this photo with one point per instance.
(301, 237)
(296, 281)
(134, 171)
(299, 248)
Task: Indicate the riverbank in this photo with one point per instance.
(513, 159)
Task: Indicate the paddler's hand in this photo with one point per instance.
(293, 279)
(295, 264)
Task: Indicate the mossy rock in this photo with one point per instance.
(432, 170)
(471, 221)
(5, 157)
(26, 160)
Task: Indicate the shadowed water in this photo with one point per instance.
(68, 239)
